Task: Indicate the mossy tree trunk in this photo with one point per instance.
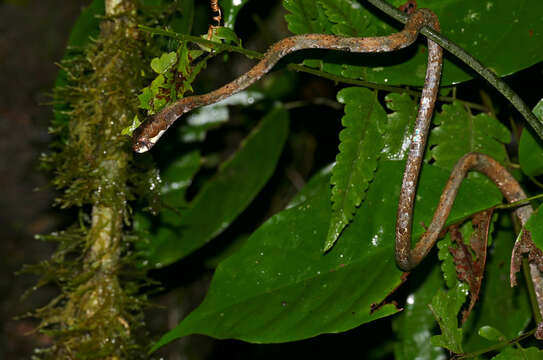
(96, 316)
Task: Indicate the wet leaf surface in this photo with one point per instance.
(415, 324)
(223, 197)
(505, 36)
(360, 146)
(445, 306)
(458, 132)
(280, 287)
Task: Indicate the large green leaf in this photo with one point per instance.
(400, 125)
(225, 196)
(504, 35)
(182, 22)
(280, 286)
(230, 9)
(305, 16)
(360, 145)
(458, 132)
(347, 17)
(530, 152)
(415, 324)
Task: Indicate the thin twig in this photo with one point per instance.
(518, 203)
(496, 346)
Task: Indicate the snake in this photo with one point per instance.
(150, 131)
(407, 258)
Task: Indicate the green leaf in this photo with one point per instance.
(400, 126)
(491, 333)
(87, 24)
(535, 226)
(448, 269)
(313, 186)
(458, 133)
(348, 17)
(230, 9)
(130, 129)
(280, 286)
(531, 148)
(305, 16)
(225, 196)
(445, 307)
(176, 73)
(232, 247)
(164, 63)
(146, 98)
(177, 178)
(360, 145)
(183, 20)
(531, 353)
(471, 24)
(497, 296)
(415, 324)
(224, 33)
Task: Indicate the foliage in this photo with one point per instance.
(198, 197)
(466, 23)
(361, 144)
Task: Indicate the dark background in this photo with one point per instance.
(33, 35)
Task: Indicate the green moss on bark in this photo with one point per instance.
(96, 315)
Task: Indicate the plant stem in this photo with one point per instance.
(497, 346)
(198, 40)
(460, 53)
(518, 203)
(394, 89)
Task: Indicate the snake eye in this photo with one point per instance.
(141, 146)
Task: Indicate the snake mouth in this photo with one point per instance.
(141, 146)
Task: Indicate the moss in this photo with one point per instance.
(98, 314)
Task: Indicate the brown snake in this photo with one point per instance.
(146, 136)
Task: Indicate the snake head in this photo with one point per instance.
(147, 135)
(152, 129)
(141, 144)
